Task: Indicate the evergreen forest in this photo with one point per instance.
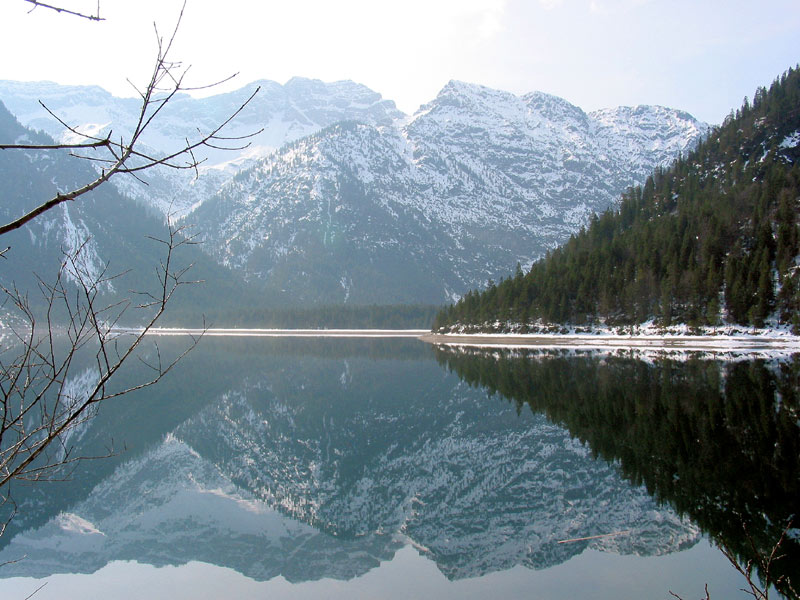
(712, 239)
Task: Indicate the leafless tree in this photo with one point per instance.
(41, 403)
(42, 354)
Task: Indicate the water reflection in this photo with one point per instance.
(314, 458)
(720, 442)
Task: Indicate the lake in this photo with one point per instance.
(389, 468)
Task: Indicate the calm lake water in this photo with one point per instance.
(346, 468)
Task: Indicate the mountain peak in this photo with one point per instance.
(478, 93)
(464, 102)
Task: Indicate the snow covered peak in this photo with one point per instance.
(465, 89)
(652, 117)
(473, 107)
(338, 91)
(45, 90)
(553, 108)
(476, 181)
(464, 101)
(660, 131)
(285, 112)
(279, 113)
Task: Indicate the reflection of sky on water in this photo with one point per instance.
(590, 575)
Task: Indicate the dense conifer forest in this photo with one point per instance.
(712, 239)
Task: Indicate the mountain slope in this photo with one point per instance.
(421, 211)
(113, 232)
(283, 112)
(712, 238)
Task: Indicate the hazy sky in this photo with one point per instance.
(702, 56)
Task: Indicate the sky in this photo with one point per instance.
(702, 56)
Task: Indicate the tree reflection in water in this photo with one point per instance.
(718, 441)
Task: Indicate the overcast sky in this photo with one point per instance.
(702, 56)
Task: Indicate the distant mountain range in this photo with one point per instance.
(342, 198)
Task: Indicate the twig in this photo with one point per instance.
(58, 9)
(124, 157)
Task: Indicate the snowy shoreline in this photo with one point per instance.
(723, 340)
(616, 340)
(648, 335)
(719, 346)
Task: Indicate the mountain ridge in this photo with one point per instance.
(397, 209)
(712, 239)
(475, 180)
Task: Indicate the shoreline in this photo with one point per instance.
(645, 341)
(641, 341)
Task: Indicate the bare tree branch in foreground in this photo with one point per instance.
(761, 566)
(44, 354)
(95, 17)
(758, 570)
(123, 156)
(40, 407)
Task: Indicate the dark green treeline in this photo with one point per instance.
(715, 235)
(720, 442)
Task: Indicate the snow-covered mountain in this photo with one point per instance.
(324, 467)
(432, 206)
(277, 114)
(343, 198)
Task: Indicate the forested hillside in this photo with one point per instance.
(712, 239)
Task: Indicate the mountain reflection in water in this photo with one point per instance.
(322, 458)
(717, 441)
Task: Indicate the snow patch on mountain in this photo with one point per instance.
(83, 265)
(790, 141)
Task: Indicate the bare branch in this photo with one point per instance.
(123, 156)
(99, 144)
(36, 382)
(60, 198)
(36, 591)
(58, 9)
(41, 404)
